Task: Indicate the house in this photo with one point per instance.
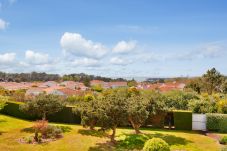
(117, 84)
(34, 91)
(74, 85)
(15, 85)
(163, 87)
(48, 84)
(103, 84)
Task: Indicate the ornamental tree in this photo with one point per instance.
(137, 111)
(112, 110)
(43, 105)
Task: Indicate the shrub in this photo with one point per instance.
(156, 144)
(182, 120)
(223, 140)
(53, 131)
(28, 139)
(217, 122)
(47, 131)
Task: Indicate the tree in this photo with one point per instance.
(137, 111)
(132, 83)
(97, 88)
(224, 87)
(212, 80)
(205, 104)
(88, 111)
(112, 110)
(196, 85)
(179, 100)
(43, 105)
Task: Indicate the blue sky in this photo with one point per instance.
(117, 38)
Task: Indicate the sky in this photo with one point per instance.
(114, 38)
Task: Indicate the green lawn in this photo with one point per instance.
(79, 139)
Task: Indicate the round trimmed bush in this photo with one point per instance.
(223, 140)
(156, 144)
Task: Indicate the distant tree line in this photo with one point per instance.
(36, 76)
(28, 77)
(85, 78)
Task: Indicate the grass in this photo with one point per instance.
(80, 139)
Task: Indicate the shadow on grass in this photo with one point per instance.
(65, 128)
(93, 133)
(28, 130)
(1, 121)
(31, 130)
(1, 132)
(136, 142)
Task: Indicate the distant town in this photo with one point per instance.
(77, 84)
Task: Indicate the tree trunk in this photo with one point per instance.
(44, 116)
(92, 125)
(36, 136)
(135, 126)
(112, 137)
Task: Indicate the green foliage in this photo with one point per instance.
(196, 85)
(156, 144)
(178, 100)
(182, 120)
(212, 80)
(223, 140)
(217, 122)
(12, 109)
(113, 110)
(27, 77)
(97, 88)
(202, 106)
(46, 130)
(72, 100)
(89, 97)
(3, 100)
(43, 105)
(132, 83)
(222, 106)
(28, 139)
(137, 111)
(66, 115)
(224, 86)
(53, 131)
(89, 113)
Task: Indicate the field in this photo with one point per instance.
(79, 139)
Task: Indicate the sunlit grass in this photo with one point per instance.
(80, 139)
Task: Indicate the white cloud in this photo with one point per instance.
(88, 62)
(119, 61)
(36, 57)
(74, 43)
(124, 47)
(7, 58)
(212, 50)
(3, 24)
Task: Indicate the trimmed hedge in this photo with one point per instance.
(66, 115)
(216, 122)
(12, 109)
(182, 120)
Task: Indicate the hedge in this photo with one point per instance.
(66, 115)
(182, 120)
(216, 122)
